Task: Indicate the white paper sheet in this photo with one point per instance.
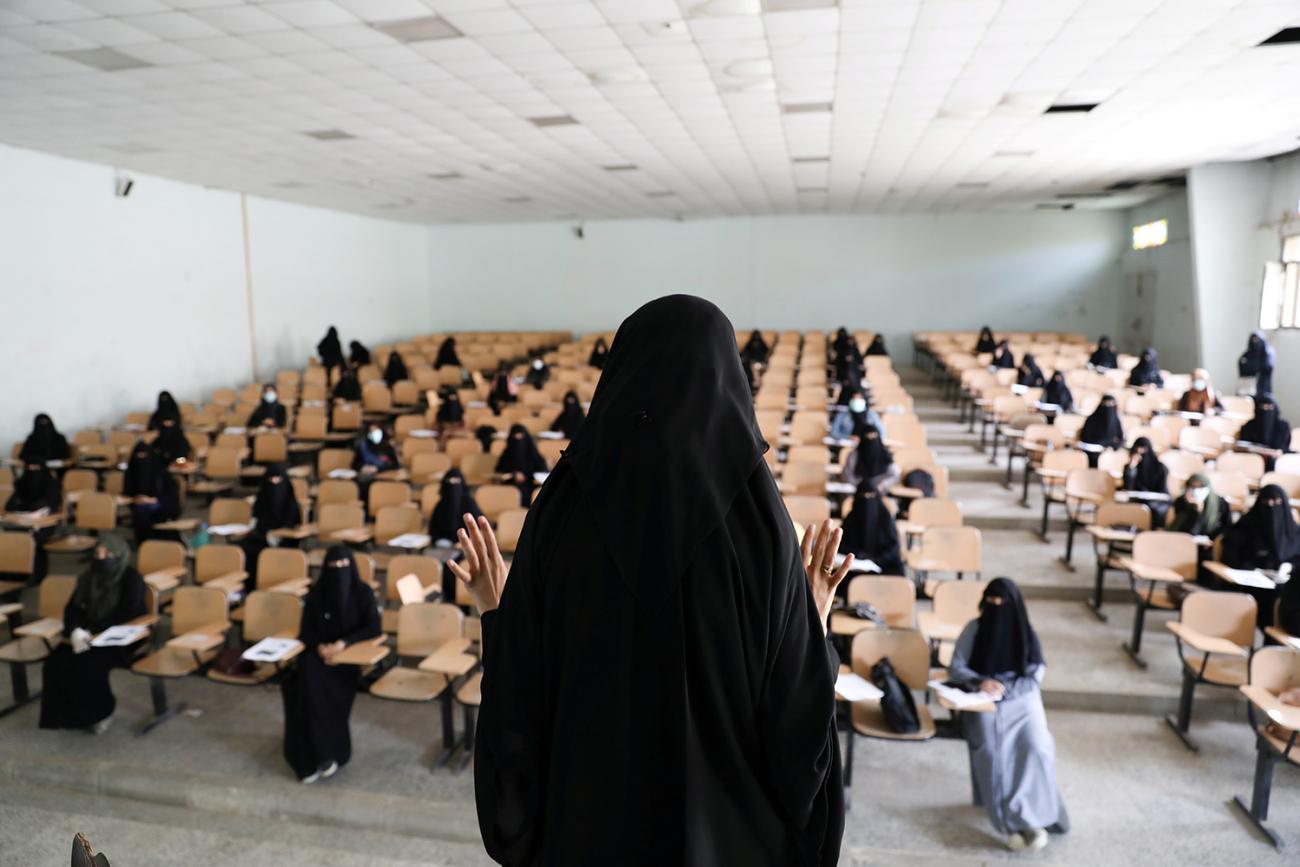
(342, 473)
(1250, 578)
(410, 540)
(270, 649)
(550, 435)
(959, 698)
(229, 529)
(422, 434)
(852, 687)
(119, 636)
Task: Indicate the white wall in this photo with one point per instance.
(1158, 304)
(1282, 218)
(1049, 271)
(107, 300)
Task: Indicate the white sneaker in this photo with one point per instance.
(103, 725)
(1016, 842)
(329, 770)
(310, 778)
(1037, 839)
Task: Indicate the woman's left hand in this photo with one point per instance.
(820, 544)
(484, 570)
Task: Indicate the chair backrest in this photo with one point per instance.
(193, 607)
(267, 614)
(1183, 464)
(1221, 615)
(893, 596)
(346, 416)
(935, 512)
(1176, 551)
(17, 553)
(54, 594)
(426, 569)
(1090, 482)
(478, 468)
(804, 477)
(211, 561)
(337, 491)
(1289, 463)
(957, 548)
(80, 480)
(423, 626)
(328, 460)
(270, 446)
(339, 516)
(394, 521)
(906, 649)
(1124, 515)
(96, 511)
(1286, 481)
(230, 510)
(275, 565)
(387, 493)
(958, 602)
(1249, 465)
(459, 447)
(1231, 485)
(156, 554)
(1201, 437)
(1277, 669)
(1065, 460)
(510, 523)
(495, 499)
(427, 466)
(805, 509)
(816, 454)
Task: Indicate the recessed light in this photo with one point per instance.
(621, 167)
(425, 29)
(806, 107)
(750, 68)
(329, 134)
(1285, 36)
(722, 8)
(1071, 108)
(810, 159)
(553, 120)
(446, 176)
(103, 59)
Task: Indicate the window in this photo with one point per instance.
(1150, 235)
(1279, 301)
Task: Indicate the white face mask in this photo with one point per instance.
(1198, 384)
(269, 396)
(375, 436)
(858, 404)
(1199, 495)
(537, 365)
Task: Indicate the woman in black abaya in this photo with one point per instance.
(1102, 428)
(348, 388)
(75, 692)
(570, 417)
(37, 488)
(447, 355)
(1263, 538)
(519, 461)
(598, 353)
(756, 349)
(155, 495)
(454, 502)
(700, 730)
(450, 415)
(1258, 361)
(270, 413)
(166, 410)
(503, 390)
(358, 355)
(171, 444)
(985, 343)
(1057, 393)
(1104, 357)
(275, 508)
(871, 462)
(1267, 428)
(1147, 371)
(1030, 374)
(395, 371)
(44, 443)
(339, 611)
(330, 351)
(877, 346)
(870, 533)
(1003, 357)
(1145, 473)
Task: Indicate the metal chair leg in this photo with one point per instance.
(1257, 812)
(162, 711)
(1181, 722)
(1134, 646)
(1097, 590)
(23, 696)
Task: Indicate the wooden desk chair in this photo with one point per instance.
(220, 470)
(283, 570)
(1273, 670)
(426, 571)
(552, 450)
(1085, 490)
(894, 597)
(903, 432)
(495, 499)
(927, 512)
(269, 447)
(1183, 464)
(200, 619)
(346, 417)
(1202, 440)
(337, 491)
(1249, 465)
(909, 654)
(1160, 558)
(386, 493)
(429, 496)
(96, 513)
(807, 430)
(955, 604)
(342, 522)
(1231, 486)
(459, 448)
(806, 509)
(77, 480)
(397, 520)
(1160, 441)
(221, 566)
(1288, 463)
(1055, 468)
(428, 468)
(376, 400)
(33, 641)
(17, 558)
(479, 469)
(947, 549)
(162, 563)
(814, 454)
(1109, 546)
(406, 392)
(422, 628)
(510, 523)
(1286, 481)
(412, 446)
(1038, 440)
(1010, 425)
(1220, 628)
(230, 510)
(804, 477)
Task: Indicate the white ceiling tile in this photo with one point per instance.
(309, 14)
(238, 20)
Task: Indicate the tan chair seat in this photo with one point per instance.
(1279, 744)
(471, 692)
(167, 663)
(843, 623)
(389, 617)
(869, 720)
(71, 545)
(210, 487)
(1159, 599)
(7, 587)
(260, 674)
(26, 649)
(408, 684)
(1222, 670)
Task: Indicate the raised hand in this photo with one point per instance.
(483, 572)
(820, 544)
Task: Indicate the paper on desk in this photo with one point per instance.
(960, 698)
(550, 435)
(1145, 495)
(235, 430)
(42, 512)
(840, 488)
(1249, 578)
(410, 540)
(269, 650)
(229, 529)
(540, 478)
(118, 636)
(342, 473)
(422, 433)
(1090, 447)
(853, 687)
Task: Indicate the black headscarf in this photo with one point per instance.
(37, 488)
(1267, 428)
(985, 343)
(348, 387)
(756, 349)
(877, 346)
(1103, 356)
(598, 354)
(1150, 474)
(1003, 358)
(450, 411)
(1258, 357)
(1266, 536)
(1005, 641)
(570, 418)
(276, 506)
(44, 443)
(359, 355)
(396, 370)
(537, 374)
(447, 354)
(869, 531)
(99, 588)
(1147, 370)
(669, 440)
(874, 456)
(454, 500)
(1057, 393)
(520, 454)
(338, 602)
(1103, 427)
(146, 474)
(165, 410)
(171, 443)
(843, 345)
(329, 350)
(848, 369)
(1030, 374)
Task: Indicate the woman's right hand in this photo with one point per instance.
(993, 687)
(820, 545)
(483, 571)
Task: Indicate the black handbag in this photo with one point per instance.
(896, 700)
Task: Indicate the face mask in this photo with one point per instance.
(1198, 384)
(858, 405)
(1199, 495)
(375, 436)
(537, 365)
(269, 397)
(106, 565)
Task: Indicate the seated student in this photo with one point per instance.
(1200, 511)
(75, 692)
(570, 417)
(44, 443)
(166, 410)
(395, 371)
(330, 351)
(358, 355)
(275, 508)
(848, 369)
(1012, 754)
(1147, 371)
(36, 489)
(1146, 473)
(985, 343)
(755, 350)
(519, 461)
(171, 444)
(1200, 395)
(1103, 357)
(1288, 606)
(1263, 538)
(870, 533)
(1258, 361)
(348, 388)
(450, 416)
(877, 346)
(598, 353)
(339, 611)
(871, 462)
(853, 415)
(454, 502)
(155, 496)
(753, 375)
(1057, 393)
(504, 389)
(1029, 373)
(1003, 358)
(1267, 428)
(447, 355)
(270, 413)
(1103, 428)
(539, 373)
(373, 454)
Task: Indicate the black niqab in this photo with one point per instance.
(1005, 641)
(171, 443)
(276, 506)
(37, 488)
(1004, 358)
(348, 387)
(1259, 356)
(329, 350)
(1266, 536)
(451, 410)
(44, 443)
(599, 352)
(874, 457)
(454, 501)
(1150, 474)
(756, 349)
(1030, 375)
(447, 354)
(985, 343)
(358, 355)
(877, 346)
(1147, 370)
(1267, 427)
(570, 417)
(1103, 427)
(166, 410)
(396, 370)
(520, 454)
(1057, 393)
(1103, 356)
